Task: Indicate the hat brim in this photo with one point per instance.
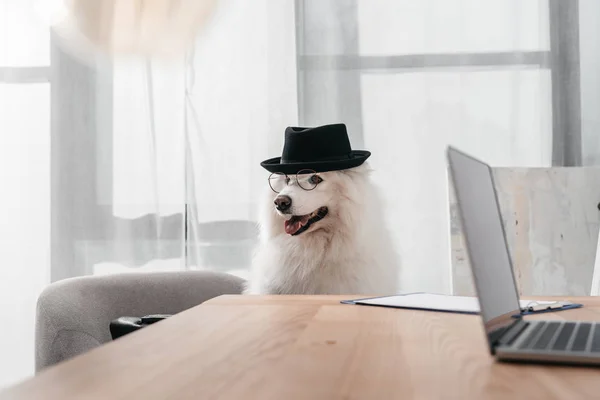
(357, 157)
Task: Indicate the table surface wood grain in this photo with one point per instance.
(309, 347)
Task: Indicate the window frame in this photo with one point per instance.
(563, 61)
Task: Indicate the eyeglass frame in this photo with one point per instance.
(312, 172)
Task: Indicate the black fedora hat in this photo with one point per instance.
(323, 148)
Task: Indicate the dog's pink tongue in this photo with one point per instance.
(294, 224)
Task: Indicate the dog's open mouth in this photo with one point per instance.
(300, 223)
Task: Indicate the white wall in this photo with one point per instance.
(589, 15)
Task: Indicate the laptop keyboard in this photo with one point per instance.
(532, 335)
(581, 337)
(596, 339)
(568, 336)
(547, 334)
(563, 337)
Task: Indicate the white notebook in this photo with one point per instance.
(456, 304)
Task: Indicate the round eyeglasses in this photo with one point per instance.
(307, 179)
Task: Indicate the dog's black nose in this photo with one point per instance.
(283, 203)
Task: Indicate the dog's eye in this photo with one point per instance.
(315, 179)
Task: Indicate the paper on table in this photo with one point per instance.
(430, 301)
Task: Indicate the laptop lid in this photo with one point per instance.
(485, 239)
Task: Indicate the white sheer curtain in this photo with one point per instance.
(135, 165)
(143, 165)
(423, 75)
(24, 182)
(241, 96)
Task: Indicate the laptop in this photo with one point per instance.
(510, 337)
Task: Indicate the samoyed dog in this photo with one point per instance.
(324, 233)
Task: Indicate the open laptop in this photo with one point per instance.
(510, 337)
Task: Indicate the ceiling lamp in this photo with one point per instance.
(127, 27)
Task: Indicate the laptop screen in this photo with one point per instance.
(486, 242)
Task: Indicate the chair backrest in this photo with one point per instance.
(551, 217)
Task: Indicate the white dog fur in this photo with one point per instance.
(347, 252)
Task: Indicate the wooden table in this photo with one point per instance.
(296, 347)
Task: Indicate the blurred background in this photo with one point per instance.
(141, 162)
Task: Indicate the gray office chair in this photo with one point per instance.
(73, 315)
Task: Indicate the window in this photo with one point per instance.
(409, 78)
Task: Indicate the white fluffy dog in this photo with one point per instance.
(324, 233)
